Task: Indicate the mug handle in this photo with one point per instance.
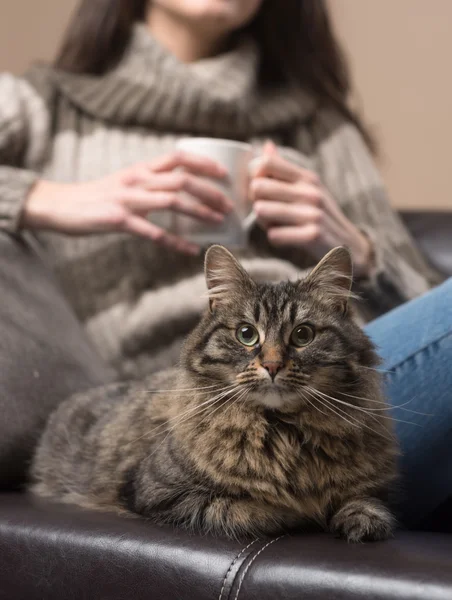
(249, 221)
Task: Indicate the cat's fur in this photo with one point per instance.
(255, 459)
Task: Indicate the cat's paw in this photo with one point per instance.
(363, 520)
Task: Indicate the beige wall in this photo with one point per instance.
(30, 29)
(400, 50)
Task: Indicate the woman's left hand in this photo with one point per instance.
(294, 208)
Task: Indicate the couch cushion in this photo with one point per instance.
(52, 551)
(433, 234)
(44, 354)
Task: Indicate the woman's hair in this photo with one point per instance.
(295, 37)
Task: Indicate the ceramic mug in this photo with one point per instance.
(236, 157)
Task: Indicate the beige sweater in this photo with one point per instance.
(137, 300)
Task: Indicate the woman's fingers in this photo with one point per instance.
(264, 188)
(274, 165)
(281, 213)
(142, 201)
(200, 165)
(204, 191)
(183, 181)
(144, 228)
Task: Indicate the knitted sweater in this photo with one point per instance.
(137, 300)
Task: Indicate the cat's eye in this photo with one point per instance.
(302, 335)
(247, 335)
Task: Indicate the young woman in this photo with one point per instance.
(87, 147)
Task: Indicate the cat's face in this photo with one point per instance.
(282, 343)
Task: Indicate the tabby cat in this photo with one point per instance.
(274, 419)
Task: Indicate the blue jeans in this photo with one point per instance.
(415, 342)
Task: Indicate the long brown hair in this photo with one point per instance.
(296, 40)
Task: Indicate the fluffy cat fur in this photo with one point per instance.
(240, 440)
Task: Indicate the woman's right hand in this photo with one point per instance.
(122, 201)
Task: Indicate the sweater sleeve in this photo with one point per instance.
(347, 169)
(24, 135)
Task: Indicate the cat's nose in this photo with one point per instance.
(273, 367)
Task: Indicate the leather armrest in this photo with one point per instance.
(55, 552)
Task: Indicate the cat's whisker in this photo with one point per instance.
(236, 397)
(303, 397)
(391, 406)
(207, 387)
(246, 380)
(237, 400)
(204, 410)
(341, 414)
(389, 437)
(225, 390)
(318, 399)
(295, 378)
(193, 411)
(368, 411)
(377, 370)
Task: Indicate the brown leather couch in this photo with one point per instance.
(57, 552)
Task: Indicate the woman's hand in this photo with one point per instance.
(296, 210)
(122, 201)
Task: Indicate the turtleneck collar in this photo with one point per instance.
(233, 73)
(218, 96)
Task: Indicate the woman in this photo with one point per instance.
(87, 147)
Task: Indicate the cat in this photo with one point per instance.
(273, 421)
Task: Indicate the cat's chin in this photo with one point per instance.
(274, 398)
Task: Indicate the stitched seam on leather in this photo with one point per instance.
(232, 565)
(242, 578)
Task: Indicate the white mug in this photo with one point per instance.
(236, 158)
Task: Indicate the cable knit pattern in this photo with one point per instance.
(24, 135)
(139, 301)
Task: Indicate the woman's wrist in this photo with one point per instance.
(365, 260)
(38, 206)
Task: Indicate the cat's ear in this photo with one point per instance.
(226, 279)
(334, 276)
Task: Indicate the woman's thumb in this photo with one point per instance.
(270, 148)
